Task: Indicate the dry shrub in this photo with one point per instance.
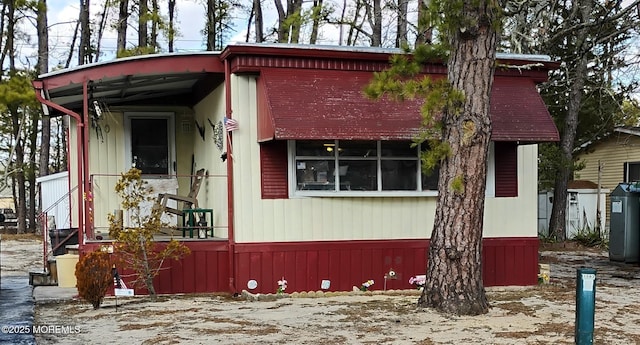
(93, 274)
(135, 245)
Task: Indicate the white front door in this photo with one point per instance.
(150, 147)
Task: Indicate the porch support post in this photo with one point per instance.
(88, 198)
(38, 85)
(230, 220)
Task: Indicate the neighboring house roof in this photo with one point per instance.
(626, 130)
(581, 184)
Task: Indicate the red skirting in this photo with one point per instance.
(206, 269)
(506, 261)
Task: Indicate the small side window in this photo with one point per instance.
(150, 149)
(632, 171)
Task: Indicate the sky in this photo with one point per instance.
(63, 14)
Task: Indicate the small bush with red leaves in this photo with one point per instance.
(93, 274)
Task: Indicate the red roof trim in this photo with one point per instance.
(154, 64)
(253, 57)
(248, 64)
(306, 51)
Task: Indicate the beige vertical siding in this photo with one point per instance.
(213, 192)
(299, 219)
(518, 216)
(73, 173)
(612, 153)
(345, 218)
(107, 159)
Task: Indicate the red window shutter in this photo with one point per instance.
(273, 169)
(506, 169)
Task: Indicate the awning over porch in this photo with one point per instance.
(157, 79)
(322, 104)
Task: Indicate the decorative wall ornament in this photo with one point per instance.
(218, 136)
(97, 116)
(200, 129)
(213, 126)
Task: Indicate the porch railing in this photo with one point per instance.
(43, 219)
(212, 197)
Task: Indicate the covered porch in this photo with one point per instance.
(158, 113)
(185, 216)
(143, 112)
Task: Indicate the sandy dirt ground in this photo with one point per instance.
(20, 254)
(543, 314)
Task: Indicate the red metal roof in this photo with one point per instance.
(518, 113)
(330, 104)
(314, 104)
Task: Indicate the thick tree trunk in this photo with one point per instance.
(31, 166)
(172, 29)
(45, 137)
(31, 179)
(123, 15)
(211, 25)
(84, 53)
(19, 171)
(294, 10)
(3, 49)
(317, 10)
(43, 67)
(258, 23)
(401, 35)
(43, 37)
(425, 30)
(454, 271)
(288, 26)
(155, 23)
(21, 211)
(9, 45)
(17, 120)
(376, 35)
(557, 223)
(283, 29)
(143, 15)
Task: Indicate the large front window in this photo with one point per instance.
(352, 167)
